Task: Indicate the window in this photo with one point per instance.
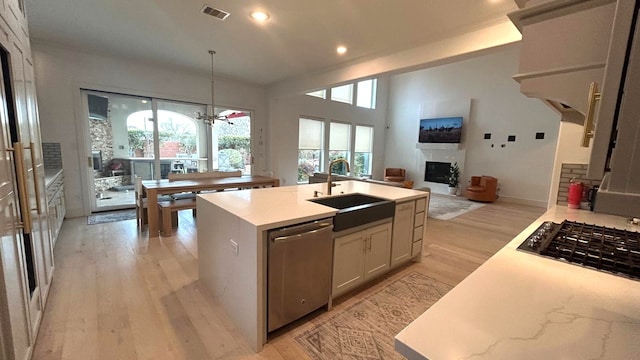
(339, 135)
(367, 94)
(310, 140)
(320, 93)
(343, 93)
(363, 151)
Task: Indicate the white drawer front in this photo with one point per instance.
(417, 233)
(417, 248)
(421, 205)
(419, 219)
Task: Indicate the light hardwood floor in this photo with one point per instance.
(118, 295)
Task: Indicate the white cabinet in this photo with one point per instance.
(408, 228)
(16, 328)
(360, 256)
(26, 258)
(419, 223)
(55, 201)
(557, 64)
(402, 240)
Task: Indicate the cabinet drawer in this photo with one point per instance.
(418, 220)
(417, 233)
(417, 248)
(421, 205)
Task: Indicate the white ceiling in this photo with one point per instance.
(300, 37)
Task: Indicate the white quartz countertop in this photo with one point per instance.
(286, 205)
(519, 305)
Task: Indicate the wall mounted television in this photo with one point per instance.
(440, 130)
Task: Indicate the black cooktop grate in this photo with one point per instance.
(599, 247)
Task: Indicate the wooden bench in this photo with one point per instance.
(168, 208)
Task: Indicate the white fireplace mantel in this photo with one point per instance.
(436, 146)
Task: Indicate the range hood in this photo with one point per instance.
(554, 67)
(569, 48)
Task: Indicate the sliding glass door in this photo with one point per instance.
(231, 141)
(126, 141)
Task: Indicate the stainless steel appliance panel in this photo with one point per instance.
(299, 271)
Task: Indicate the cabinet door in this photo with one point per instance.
(378, 241)
(402, 233)
(348, 262)
(16, 329)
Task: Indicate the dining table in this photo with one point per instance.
(151, 189)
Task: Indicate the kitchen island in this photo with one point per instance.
(519, 305)
(232, 241)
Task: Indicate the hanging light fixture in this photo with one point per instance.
(211, 119)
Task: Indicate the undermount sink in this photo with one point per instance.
(357, 209)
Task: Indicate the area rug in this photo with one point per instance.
(111, 216)
(446, 207)
(366, 330)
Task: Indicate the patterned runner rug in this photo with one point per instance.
(446, 207)
(366, 330)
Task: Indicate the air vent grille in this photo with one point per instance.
(216, 13)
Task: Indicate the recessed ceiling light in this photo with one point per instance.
(341, 50)
(260, 16)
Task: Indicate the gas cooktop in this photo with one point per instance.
(597, 247)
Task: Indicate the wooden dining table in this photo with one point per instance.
(152, 188)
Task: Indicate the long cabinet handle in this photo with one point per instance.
(35, 177)
(21, 177)
(589, 131)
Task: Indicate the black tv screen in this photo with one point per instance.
(98, 107)
(441, 130)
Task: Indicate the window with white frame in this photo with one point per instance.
(320, 93)
(310, 147)
(363, 151)
(366, 94)
(342, 93)
(339, 136)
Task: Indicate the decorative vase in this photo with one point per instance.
(453, 190)
(138, 153)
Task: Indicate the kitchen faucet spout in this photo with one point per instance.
(330, 184)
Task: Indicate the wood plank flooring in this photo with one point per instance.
(118, 295)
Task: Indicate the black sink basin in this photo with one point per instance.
(357, 209)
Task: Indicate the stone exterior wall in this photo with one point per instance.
(102, 140)
(572, 171)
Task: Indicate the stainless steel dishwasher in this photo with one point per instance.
(299, 271)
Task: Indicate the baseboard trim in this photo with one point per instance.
(521, 201)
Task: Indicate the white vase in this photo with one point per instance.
(453, 190)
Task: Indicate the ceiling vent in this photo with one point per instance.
(216, 13)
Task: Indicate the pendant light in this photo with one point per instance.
(211, 119)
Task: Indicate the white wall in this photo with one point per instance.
(286, 110)
(60, 73)
(523, 168)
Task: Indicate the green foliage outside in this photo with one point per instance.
(137, 139)
(359, 167)
(230, 159)
(240, 143)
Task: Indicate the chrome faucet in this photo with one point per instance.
(329, 182)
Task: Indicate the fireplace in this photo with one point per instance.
(437, 172)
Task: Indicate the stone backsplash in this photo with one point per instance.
(572, 171)
(52, 156)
